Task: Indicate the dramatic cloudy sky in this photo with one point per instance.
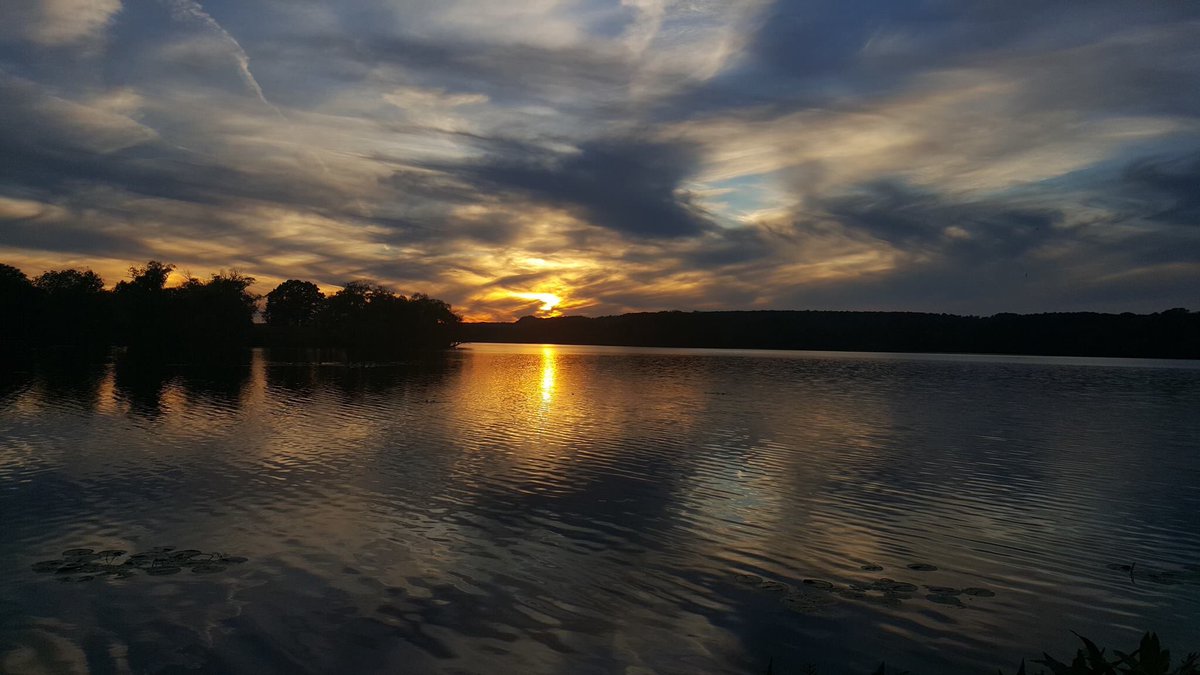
(1005, 155)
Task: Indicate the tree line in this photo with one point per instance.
(72, 308)
(1174, 333)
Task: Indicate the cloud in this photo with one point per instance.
(630, 186)
(22, 209)
(193, 11)
(914, 220)
(1168, 186)
(57, 22)
(33, 116)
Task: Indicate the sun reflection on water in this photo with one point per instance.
(548, 358)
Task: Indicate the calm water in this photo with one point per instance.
(535, 509)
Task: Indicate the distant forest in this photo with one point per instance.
(71, 308)
(1174, 333)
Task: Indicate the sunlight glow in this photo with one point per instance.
(548, 300)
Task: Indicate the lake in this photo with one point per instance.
(555, 509)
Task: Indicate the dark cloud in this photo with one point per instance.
(1013, 254)
(627, 185)
(68, 237)
(570, 78)
(730, 247)
(1169, 187)
(912, 219)
(54, 146)
(813, 53)
(811, 39)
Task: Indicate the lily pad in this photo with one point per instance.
(871, 568)
(921, 567)
(887, 600)
(80, 564)
(808, 602)
(944, 590)
(979, 592)
(892, 586)
(943, 599)
(773, 586)
(818, 583)
(752, 579)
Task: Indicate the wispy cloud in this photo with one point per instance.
(191, 10)
(57, 22)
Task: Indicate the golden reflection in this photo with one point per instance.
(548, 358)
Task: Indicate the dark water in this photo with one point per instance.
(533, 509)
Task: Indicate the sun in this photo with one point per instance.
(549, 300)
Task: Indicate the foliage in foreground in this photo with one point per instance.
(1148, 659)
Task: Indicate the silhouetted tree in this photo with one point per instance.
(436, 323)
(352, 301)
(213, 315)
(74, 308)
(11, 277)
(355, 317)
(18, 309)
(210, 317)
(293, 303)
(193, 318)
(66, 283)
(151, 277)
(367, 317)
(142, 307)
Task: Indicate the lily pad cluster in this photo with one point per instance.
(811, 595)
(85, 564)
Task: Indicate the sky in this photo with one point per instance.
(617, 155)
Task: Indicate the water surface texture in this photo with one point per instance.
(533, 509)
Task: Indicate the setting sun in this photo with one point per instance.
(549, 300)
